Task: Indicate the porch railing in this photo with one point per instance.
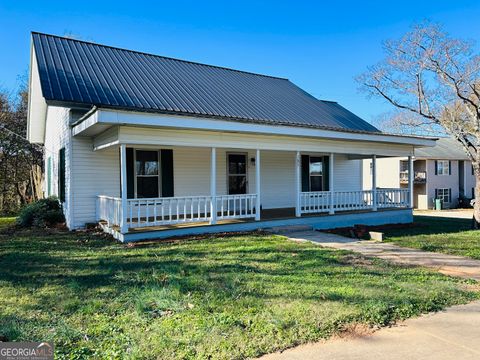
(109, 209)
(175, 210)
(387, 198)
(326, 201)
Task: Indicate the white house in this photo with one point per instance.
(440, 172)
(151, 146)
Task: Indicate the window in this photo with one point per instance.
(443, 194)
(403, 165)
(61, 175)
(443, 167)
(237, 173)
(316, 173)
(147, 174)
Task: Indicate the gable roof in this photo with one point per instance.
(444, 149)
(74, 72)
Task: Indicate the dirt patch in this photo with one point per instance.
(179, 239)
(355, 330)
(361, 231)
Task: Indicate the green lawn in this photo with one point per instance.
(446, 235)
(215, 298)
(6, 222)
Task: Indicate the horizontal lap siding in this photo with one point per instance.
(277, 179)
(94, 173)
(347, 174)
(57, 136)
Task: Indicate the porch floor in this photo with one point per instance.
(266, 215)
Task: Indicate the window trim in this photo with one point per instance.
(228, 153)
(135, 175)
(447, 167)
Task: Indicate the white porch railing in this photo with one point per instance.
(175, 210)
(109, 209)
(326, 201)
(387, 198)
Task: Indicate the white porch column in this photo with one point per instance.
(257, 185)
(411, 177)
(298, 185)
(374, 182)
(213, 186)
(123, 183)
(330, 181)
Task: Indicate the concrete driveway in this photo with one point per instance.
(450, 335)
(453, 213)
(444, 263)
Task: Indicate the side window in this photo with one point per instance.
(61, 175)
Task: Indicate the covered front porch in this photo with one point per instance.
(231, 189)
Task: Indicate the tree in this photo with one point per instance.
(433, 80)
(20, 161)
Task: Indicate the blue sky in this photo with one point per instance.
(320, 46)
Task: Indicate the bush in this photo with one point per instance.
(42, 213)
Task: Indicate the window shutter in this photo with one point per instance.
(49, 176)
(326, 173)
(305, 173)
(436, 193)
(449, 167)
(166, 160)
(130, 174)
(449, 195)
(436, 168)
(61, 175)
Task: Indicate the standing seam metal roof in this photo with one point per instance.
(79, 72)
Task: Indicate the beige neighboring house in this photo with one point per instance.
(443, 171)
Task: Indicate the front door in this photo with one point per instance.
(237, 173)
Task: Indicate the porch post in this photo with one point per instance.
(298, 161)
(257, 185)
(374, 182)
(330, 182)
(213, 187)
(411, 177)
(123, 183)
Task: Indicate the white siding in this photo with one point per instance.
(347, 174)
(94, 173)
(57, 136)
(277, 174)
(388, 173)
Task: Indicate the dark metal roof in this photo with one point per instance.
(444, 149)
(83, 73)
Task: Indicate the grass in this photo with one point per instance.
(6, 222)
(445, 235)
(216, 298)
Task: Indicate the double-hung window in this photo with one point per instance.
(444, 195)
(316, 173)
(147, 174)
(443, 167)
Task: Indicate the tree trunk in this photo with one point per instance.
(476, 208)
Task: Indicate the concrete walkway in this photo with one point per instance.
(446, 264)
(450, 335)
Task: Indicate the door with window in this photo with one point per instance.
(237, 178)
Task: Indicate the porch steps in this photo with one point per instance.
(287, 229)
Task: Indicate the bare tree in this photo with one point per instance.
(435, 79)
(20, 161)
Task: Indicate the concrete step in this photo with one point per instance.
(288, 229)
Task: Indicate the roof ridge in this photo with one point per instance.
(160, 56)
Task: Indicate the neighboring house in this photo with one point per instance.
(440, 172)
(151, 146)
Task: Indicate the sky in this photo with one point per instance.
(320, 46)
